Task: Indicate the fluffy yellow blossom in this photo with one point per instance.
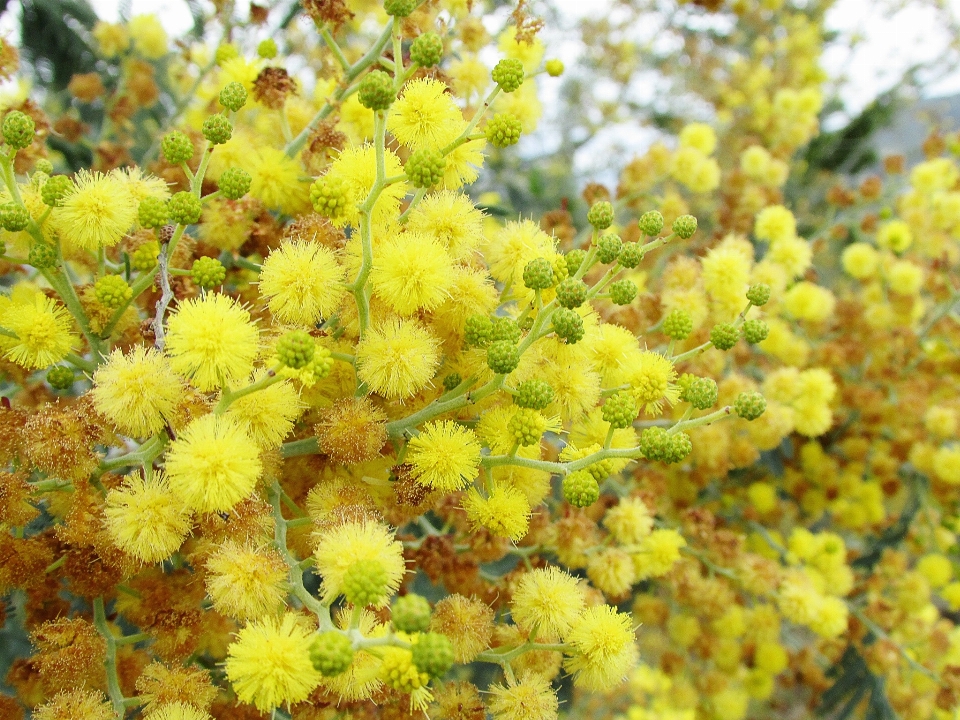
(97, 213)
(775, 223)
(794, 254)
(176, 711)
(652, 380)
(860, 260)
(277, 181)
(138, 392)
(700, 136)
(269, 664)
(246, 582)
(303, 282)
(895, 235)
(267, 415)
(527, 697)
(656, 553)
(604, 650)
(411, 272)
(514, 246)
(547, 599)
(505, 512)
(808, 301)
(357, 168)
(612, 572)
(397, 358)
(422, 115)
(629, 521)
(149, 37)
(450, 218)
(86, 704)
(444, 455)
(341, 547)
(946, 464)
(146, 519)
(43, 329)
(112, 39)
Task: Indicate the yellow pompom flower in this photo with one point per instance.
(137, 392)
(905, 277)
(341, 547)
(547, 599)
(450, 218)
(302, 282)
(946, 464)
(529, 53)
(213, 464)
(277, 181)
(146, 519)
(444, 456)
(514, 246)
(629, 521)
(112, 39)
(43, 330)
(808, 301)
(423, 115)
(86, 704)
(700, 136)
(652, 380)
(775, 223)
(357, 168)
(529, 696)
(505, 511)
(612, 572)
(246, 582)
(936, 568)
(269, 664)
(793, 254)
(149, 37)
(211, 341)
(97, 213)
(177, 711)
(604, 648)
(411, 272)
(267, 415)
(860, 260)
(464, 161)
(895, 235)
(397, 358)
(755, 162)
(656, 553)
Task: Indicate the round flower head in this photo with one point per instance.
(775, 223)
(629, 521)
(97, 213)
(268, 415)
(423, 114)
(444, 455)
(411, 272)
(137, 392)
(302, 282)
(547, 599)
(398, 358)
(450, 218)
(177, 711)
(269, 664)
(211, 341)
(605, 650)
(86, 704)
(146, 519)
(514, 246)
(341, 547)
(277, 181)
(528, 697)
(246, 583)
(213, 464)
(505, 512)
(356, 167)
(652, 379)
(43, 328)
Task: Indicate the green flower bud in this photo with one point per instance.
(400, 8)
(503, 130)
(331, 653)
(42, 165)
(508, 74)
(112, 291)
(677, 325)
(685, 226)
(233, 96)
(755, 331)
(571, 293)
(225, 52)
(623, 292)
(702, 393)
(329, 196)
(425, 167)
(580, 489)
(554, 67)
(620, 410)
(267, 49)
(724, 336)
(42, 256)
(433, 654)
(376, 90)
(365, 583)
(527, 426)
(234, 183)
(568, 325)
(185, 208)
(153, 212)
(503, 357)
(534, 394)
(322, 364)
(410, 613)
(651, 223)
(176, 147)
(478, 331)
(656, 444)
(60, 377)
(427, 50)
(18, 130)
(601, 215)
(144, 258)
(608, 248)
(296, 349)
(208, 272)
(451, 381)
(750, 405)
(504, 328)
(538, 274)
(759, 294)
(574, 259)
(55, 189)
(13, 217)
(630, 255)
(217, 129)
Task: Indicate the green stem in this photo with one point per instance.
(723, 412)
(110, 662)
(227, 397)
(133, 639)
(334, 48)
(295, 448)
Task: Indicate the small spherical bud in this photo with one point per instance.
(534, 394)
(376, 90)
(427, 50)
(527, 426)
(55, 189)
(701, 393)
(538, 274)
(267, 49)
(329, 196)
(750, 405)
(433, 654)
(112, 291)
(3, 247)
(580, 489)
(724, 336)
(678, 448)
(225, 52)
(296, 349)
(601, 215)
(42, 165)
(233, 96)
(176, 147)
(322, 364)
(217, 129)
(623, 292)
(554, 67)
(651, 223)
(331, 653)
(608, 248)
(60, 377)
(451, 381)
(144, 258)
(759, 294)
(620, 410)
(560, 272)
(508, 74)
(504, 328)
(425, 167)
(18, 130)
(365, 583)
(410, 613)
(503, 130)
(185, 208)
(400, 8)
(503, 357)
(630, 255)
(571, 293)
(478, 330)
(574, 259)
(208, 272)
(657, 444)
(568, 325)
(153, 212)
(234, 183)
(677, 325)
(42, 256)
(685, 226)
(13, 217)
(755, 331)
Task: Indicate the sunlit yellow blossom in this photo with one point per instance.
(411, 272)
(604, 647)
(652, 381)
(397, 358)
(267, 415)
(423, 114)
(146, 519)
(303, 282)
(444, 456)
(343, 546)
(277, 181)
(547, 599)
(43, 329)
(528, 697)
(149, 37)
(246, 582)
(97, 213)
(504, 512)
(452, 219)
(138, 392)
